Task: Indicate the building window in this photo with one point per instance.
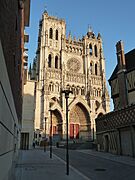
(91, 68)
(73, 89)
(96, 54)
(56, 34)
(51, 33)
(49, 60)
(56, 87)
(95, 69)
(82, 91)
(51, 86)
(90, 48)
(56, 62)
(78, 90)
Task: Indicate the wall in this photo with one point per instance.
(116, 131)
(28, 111)
(10, 35)
(9, 129)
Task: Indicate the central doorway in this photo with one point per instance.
(79, 121)
(74, 131)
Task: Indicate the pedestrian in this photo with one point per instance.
(34, 143)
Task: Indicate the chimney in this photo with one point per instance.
(120, 55)
(121, 75)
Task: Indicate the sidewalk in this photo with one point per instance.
(36, 165)
(117, 158)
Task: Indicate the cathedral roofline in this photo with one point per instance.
(53, 17)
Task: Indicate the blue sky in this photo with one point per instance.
(113, 19)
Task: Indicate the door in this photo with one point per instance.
(25, 141)
(77, 131)
(126, 144)
(71, 131)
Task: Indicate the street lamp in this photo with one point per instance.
(50, 132)
(45, 137)
(67, 92)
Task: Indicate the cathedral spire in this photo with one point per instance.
(90, 28)
(90, 32)
(45, 10)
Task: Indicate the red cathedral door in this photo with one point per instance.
(77, 131)
(71, 131)
(54, 130)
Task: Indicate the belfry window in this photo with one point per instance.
(95, 69)
(51, 33)
(56, 62)
(90, 48)
(96, 54)
(91, 68)
(49, 60)
(56, 35)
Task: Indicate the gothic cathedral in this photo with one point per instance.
(67, 63)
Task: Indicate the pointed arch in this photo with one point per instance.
(51, 86)
(90, 49)
(56, 106)
(57, 34)
(51, 33)
(91, 66)
(100, 111)
(54, 97)
(96, 69)
(79, 99)
(49, 60)
(79, 121)
(56, 87)
(82, 91)
(56, 62)
(57, 123)
(96, 52)
(78, 90)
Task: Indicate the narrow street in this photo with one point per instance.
(84, 165)
(98, 167)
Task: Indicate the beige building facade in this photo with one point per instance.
(67, 63)
(27, 131)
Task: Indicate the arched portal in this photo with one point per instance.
(79, 121)
(56, 124)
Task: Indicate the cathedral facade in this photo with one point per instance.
(67, 63)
